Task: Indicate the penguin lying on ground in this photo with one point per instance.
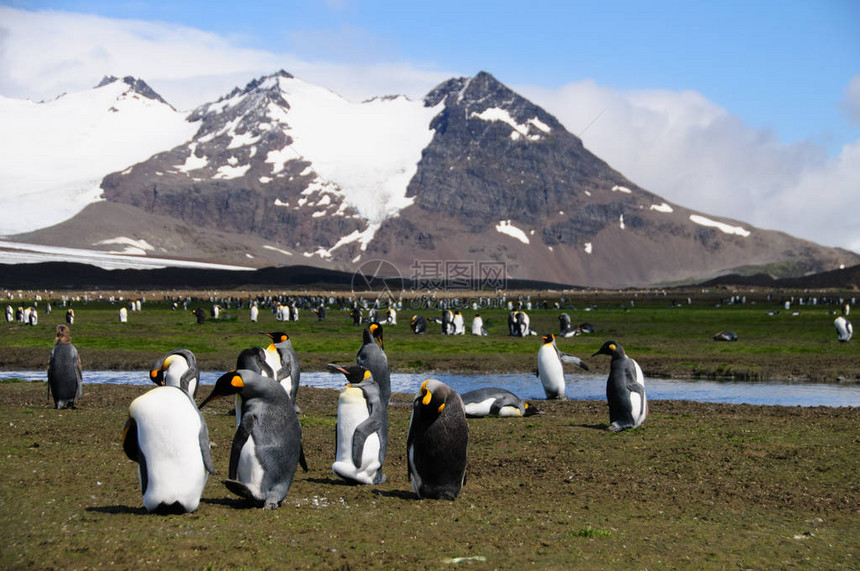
(550, 368)
(168, 438)
(361, 440)
(437, 442)
(178, 368)
(267, 446)
(625, 389)
(726, 336)
(65, 382)
(496, 402)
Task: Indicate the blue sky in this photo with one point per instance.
(714, 105)
(780, 65)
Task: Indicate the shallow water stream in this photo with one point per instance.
(527, 386)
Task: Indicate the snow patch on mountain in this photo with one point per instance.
(505, 227)
(721, 226)
(132, 246)
(663, 207)
(54, 171)
(370, 150)
(519, 129)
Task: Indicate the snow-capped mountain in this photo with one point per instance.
(54, 155)
(283, 172)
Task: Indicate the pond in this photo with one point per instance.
(527, 386)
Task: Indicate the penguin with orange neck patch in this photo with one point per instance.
(267, 446)
(625, 389)
(361, 439)
(437, 442)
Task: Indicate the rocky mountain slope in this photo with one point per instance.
(472, 177)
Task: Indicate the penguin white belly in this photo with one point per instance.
(510, 411)
(287, 383)
(168, 429)
(551, 372)
(249, 470)
(351, 412)
(273, 359)
(638, 402)
(481, 408)
(416, 478)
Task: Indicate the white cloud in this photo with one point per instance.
(851, 104)
(690, 151)
(46, 53)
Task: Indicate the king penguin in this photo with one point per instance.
(437, 442)
(177, 368)
(372, 357)
(267, 446)
(361, 439)
(496, 402)
(550, 368)
(625, 389)
(844, 329)
(283, 360)
(168, 438)
(478, 326)
(64, 371)
(418, 324)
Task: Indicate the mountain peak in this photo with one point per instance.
(139, 86)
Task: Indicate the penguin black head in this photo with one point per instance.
(548, 338)
(531, 410)
(227, 384)
(276, 336)
(254, 359)
(156, 375)
(354, 373)
(432, 395)
(610, 348)
(375, 331)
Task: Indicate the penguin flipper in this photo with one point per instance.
(129, 440)
(302, 462)
(572, 360)
(630, 378)
(205, 446)
(79, 390)
(243, 431)
(359, 437)
(239, 489)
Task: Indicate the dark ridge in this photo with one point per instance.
(848, 278)
(71, 276)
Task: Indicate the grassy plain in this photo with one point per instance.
(666, 339)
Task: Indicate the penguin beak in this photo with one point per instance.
(338, 368)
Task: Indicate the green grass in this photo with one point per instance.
(666, 340)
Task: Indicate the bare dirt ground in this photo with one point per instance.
(700, 486)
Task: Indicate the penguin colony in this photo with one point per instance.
(168, 437)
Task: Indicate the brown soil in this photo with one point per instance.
(700, 486)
